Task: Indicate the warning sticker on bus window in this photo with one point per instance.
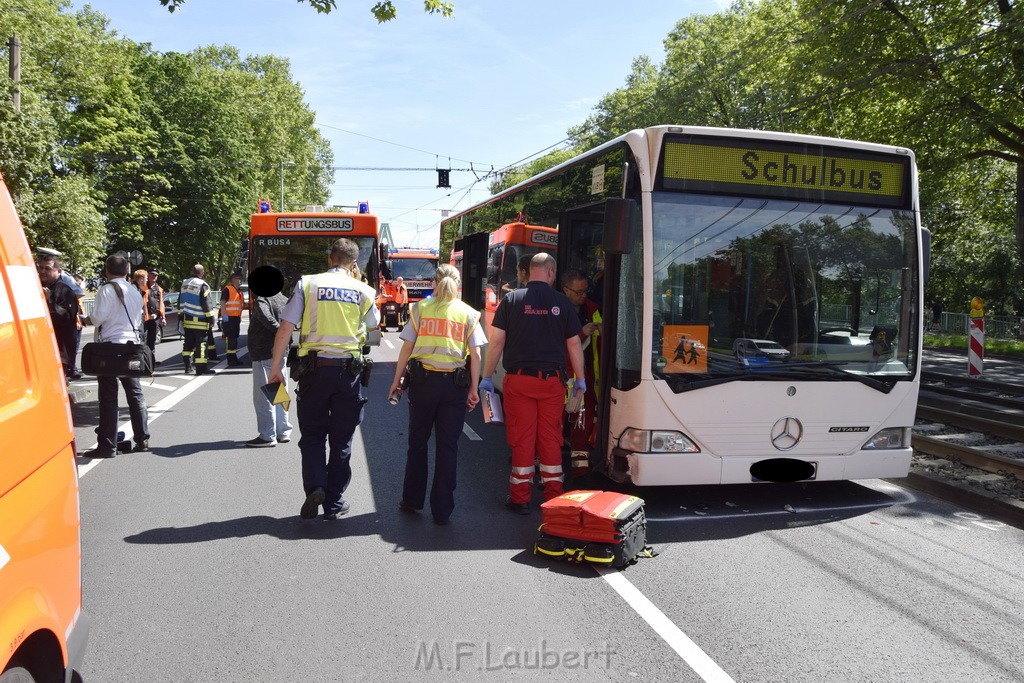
(685, 348)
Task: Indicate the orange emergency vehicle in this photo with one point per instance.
(416, 268)
(43, 630)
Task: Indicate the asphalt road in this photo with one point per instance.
(197, 567)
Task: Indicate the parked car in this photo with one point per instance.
(172, 329)
(759, 351)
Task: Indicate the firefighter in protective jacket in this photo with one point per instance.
(197, 320)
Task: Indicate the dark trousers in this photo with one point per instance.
(435, 405)
(232, 327)
(194, 347)
(329, 407)
(151, 326)
(66, 346)
(107, 431)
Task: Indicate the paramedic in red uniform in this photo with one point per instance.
(536, 329)
(443, 337)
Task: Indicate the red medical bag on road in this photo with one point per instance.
(597, 526)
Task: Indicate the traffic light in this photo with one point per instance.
(442, 178)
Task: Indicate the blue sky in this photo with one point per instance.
(494, 84)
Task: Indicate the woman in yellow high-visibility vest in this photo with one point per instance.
(442, 349)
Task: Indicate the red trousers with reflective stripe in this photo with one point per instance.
(534, 414)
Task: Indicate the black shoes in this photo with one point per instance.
(343, 510)
(98, 453)
(312, 504)
(260, 442)
(141, 446)
(441, 522)
(518, 508)
(406, 507)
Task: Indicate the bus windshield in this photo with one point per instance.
(298, 255)
(779, 289)
(413, 268)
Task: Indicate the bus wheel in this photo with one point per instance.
(16, 675)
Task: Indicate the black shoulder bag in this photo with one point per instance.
(111, 359)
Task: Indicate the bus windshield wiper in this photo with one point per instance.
(827, 370)
(818, 370)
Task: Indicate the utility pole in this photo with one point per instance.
(14, 53)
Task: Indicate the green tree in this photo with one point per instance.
(382, 11)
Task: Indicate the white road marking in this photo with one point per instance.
(161, 407)
(162, 387)
(388, 342)
(696, 658)
(473, 436)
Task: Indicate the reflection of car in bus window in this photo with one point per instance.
(753, 351)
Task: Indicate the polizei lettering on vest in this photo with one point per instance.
(830, 173)
(348, 296)
(439, 327)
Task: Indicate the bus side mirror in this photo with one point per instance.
(620, 215)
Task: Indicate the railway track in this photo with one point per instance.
(992, 413)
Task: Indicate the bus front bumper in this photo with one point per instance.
(676, 469)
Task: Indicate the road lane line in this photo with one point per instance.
(473, 436)
(691, 653)
(162, 387)
(388, 342)
(161, 407)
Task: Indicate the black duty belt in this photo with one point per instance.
(539, 374)
(333, 362)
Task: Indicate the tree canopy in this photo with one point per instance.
(383, 11)
(118, 147)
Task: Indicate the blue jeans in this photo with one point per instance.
(267, 414)
(107, 430)
(329, 407)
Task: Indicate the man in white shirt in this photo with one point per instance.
(117, 314)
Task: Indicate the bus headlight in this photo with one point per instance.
(891, 438)
(656, 441)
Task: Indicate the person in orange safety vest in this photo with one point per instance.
(402, 298)
(231, 305)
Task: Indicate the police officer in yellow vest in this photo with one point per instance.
(333, 312)
(196, 320)
(231, 304)
(442, 348)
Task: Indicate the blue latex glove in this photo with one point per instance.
(487, 385)
(580, 385)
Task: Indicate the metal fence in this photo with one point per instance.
(996, 326)
(87, 302)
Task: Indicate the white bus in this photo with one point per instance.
(709, 247)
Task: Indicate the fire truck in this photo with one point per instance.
(416, 268)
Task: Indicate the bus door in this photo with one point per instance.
(580, 248)
(473, 268)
